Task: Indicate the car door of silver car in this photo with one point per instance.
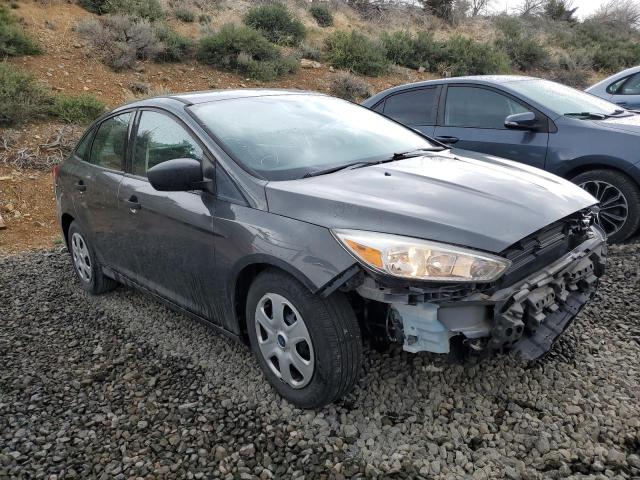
(626, 92)
(167, 236)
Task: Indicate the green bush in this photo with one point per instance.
(148, 9)
(176, 47)
(612, 48)
(409, 50)
(463, 56)
(80, 109)
(347, 86)
(246, 51)
(354, 52)
(13, 40)
(572, 69)
(120, 40)
(526, 53)
(185, 15)
(310, 52)
(322, 15)
(22, 98)
(276, 23)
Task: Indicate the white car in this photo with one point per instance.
(622, 88)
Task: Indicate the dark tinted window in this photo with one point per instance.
(379, 107)
(615, 86)
(161, 138)
(110, 142)
(478, 107)
(415, 107)
(631, 86)
(83, 148)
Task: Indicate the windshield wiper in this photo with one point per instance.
(324, 171)
(395, 156)
(591, 115)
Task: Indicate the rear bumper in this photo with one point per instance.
(526, 317)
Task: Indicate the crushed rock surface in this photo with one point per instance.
(117, 386)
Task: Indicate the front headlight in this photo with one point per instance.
(418, 259)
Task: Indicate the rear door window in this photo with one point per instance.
(160, 138)
(413, 107)
(478, 108)
(631, 86)
(110, 143)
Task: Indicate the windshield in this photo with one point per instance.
(561, 99)
(284, 137)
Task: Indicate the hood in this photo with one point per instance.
(456, 197)
(629, 124)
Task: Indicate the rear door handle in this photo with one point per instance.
(80, 186)
(133, 204)
(447, 139)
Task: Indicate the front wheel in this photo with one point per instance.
(619, 197)
(309, 348)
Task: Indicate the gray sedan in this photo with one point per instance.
(301, 224)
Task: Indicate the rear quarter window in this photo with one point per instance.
(84, 146)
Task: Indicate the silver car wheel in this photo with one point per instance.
(614, 209)
(81, 258)
(284, 340)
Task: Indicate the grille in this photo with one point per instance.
(545, 246)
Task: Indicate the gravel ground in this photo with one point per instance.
(119, 387)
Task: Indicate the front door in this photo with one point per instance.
(169, 235)
(473, 119)
(626, 93)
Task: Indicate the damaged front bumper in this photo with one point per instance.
(526, 317)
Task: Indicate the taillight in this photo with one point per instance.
(55, 171)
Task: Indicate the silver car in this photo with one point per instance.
(622, 88)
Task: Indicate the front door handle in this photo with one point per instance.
(447, 139)
(133, 204)
(80, 186)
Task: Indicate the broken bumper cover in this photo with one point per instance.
(526, 317)
(535, 313)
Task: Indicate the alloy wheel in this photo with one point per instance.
(284, 340)
(81, 258)
(613, 209)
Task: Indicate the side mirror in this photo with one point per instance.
(178, 175)
(521, 121)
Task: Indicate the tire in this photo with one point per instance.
(87, 269)
(595, 182)
(335, 349)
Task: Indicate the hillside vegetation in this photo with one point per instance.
(355, 46)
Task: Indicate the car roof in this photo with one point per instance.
(473, 79)
(206, 96)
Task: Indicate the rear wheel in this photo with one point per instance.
(309, 348)
(619, 197)
(85, 265)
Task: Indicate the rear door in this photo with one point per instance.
(473, 118)
(94, 176)
(626, 92)
(417, 108)
(167, 237)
